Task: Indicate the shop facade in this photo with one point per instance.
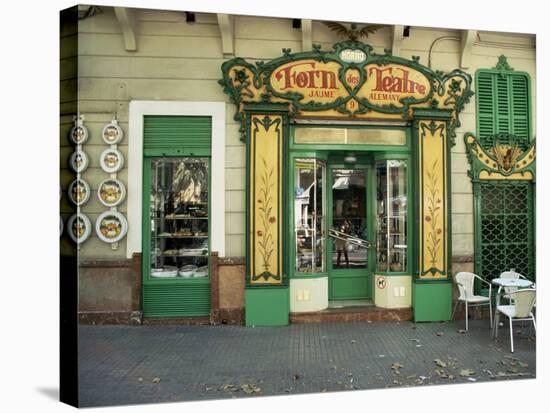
(265, 186)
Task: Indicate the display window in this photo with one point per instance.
(178, 212)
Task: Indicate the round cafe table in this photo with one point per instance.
(508, 282)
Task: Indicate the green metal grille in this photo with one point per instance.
(506, 229)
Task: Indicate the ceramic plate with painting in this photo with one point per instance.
(79, 134)
(111, 192)
(111, 160)
(79, 161)
(79, 192)
(112, 133)
(79, 228)
(111, 226)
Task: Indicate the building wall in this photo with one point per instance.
(176, 60)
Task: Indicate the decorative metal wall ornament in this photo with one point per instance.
(111, 192)
(341, 84)
(111, 226)
(79, 227)
(79, 161)
(353, 33)
(112, 133)
(505, 160)
(79, 192)
(111, 160)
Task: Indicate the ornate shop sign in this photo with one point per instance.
(351, 81)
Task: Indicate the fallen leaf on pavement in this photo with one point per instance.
(156, 380)
(250, 388)
(396, 366)
(467, 372)
(440, 363)
(439, 334)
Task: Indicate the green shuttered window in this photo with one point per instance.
(504, 210)
(176, 216)
(503, 105)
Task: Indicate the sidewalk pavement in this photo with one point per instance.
(122, 365)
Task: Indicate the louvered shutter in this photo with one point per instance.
(177, 135)
(502, 106)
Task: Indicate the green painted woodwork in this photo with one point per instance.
(246, 82)
(432, 301)
(267, 306)
(185, 136)
(349, 284)
(503, 100)
(191, 299)
(177, 135)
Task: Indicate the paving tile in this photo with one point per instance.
(118, 364)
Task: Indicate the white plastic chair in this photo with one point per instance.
(520, 310)
(465, 284)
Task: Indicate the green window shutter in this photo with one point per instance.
(503, 105)
(485, 106)
(177, 135)
(520, 106)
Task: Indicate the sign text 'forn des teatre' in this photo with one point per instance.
(325, 82)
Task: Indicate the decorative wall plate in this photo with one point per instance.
(112, 133)
(79, 191)
(111, 226)
(111, 160)
(79, 161)
(79, 228)
(79, 134)
(111, 192)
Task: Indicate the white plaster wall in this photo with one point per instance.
(180, 61)
(308, 294)
(397, 292)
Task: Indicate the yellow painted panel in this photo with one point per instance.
(433, 166)
(521, 176)
(266, 143)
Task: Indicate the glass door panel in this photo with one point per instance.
(349, 218)
(309, 220)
